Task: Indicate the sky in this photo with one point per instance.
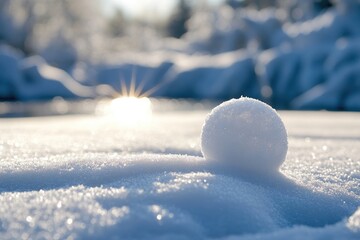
(142, 8)
(145, 8)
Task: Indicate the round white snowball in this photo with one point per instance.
(245, 135)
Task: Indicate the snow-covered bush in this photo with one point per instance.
(229, 29)
(297, 62)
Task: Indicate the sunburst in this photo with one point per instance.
(137, 91)
(132, 105)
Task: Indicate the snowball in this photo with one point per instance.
(245, 135)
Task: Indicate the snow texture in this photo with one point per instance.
(89, 177)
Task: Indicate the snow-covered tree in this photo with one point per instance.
(177, 22)
(60, 31)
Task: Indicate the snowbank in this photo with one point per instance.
(33, 79)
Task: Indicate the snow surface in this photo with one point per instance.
(89, 177)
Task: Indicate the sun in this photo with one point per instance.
(131, 110)
(130, 107)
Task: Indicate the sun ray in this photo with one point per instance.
(124, 91)
(152, 90)
(140, 87)
(131, 106)
(132, 88)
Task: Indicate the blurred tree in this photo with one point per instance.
(16, 23)
(177, 22)
(60, 31)
(257, 4)
(235, 3)
(321, 5)
(116, 24)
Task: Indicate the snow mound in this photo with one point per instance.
(245, 134)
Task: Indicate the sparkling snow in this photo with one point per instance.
(91, 177)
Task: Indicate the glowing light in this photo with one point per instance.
(143, 9)
(131, 106)
(131, 110)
